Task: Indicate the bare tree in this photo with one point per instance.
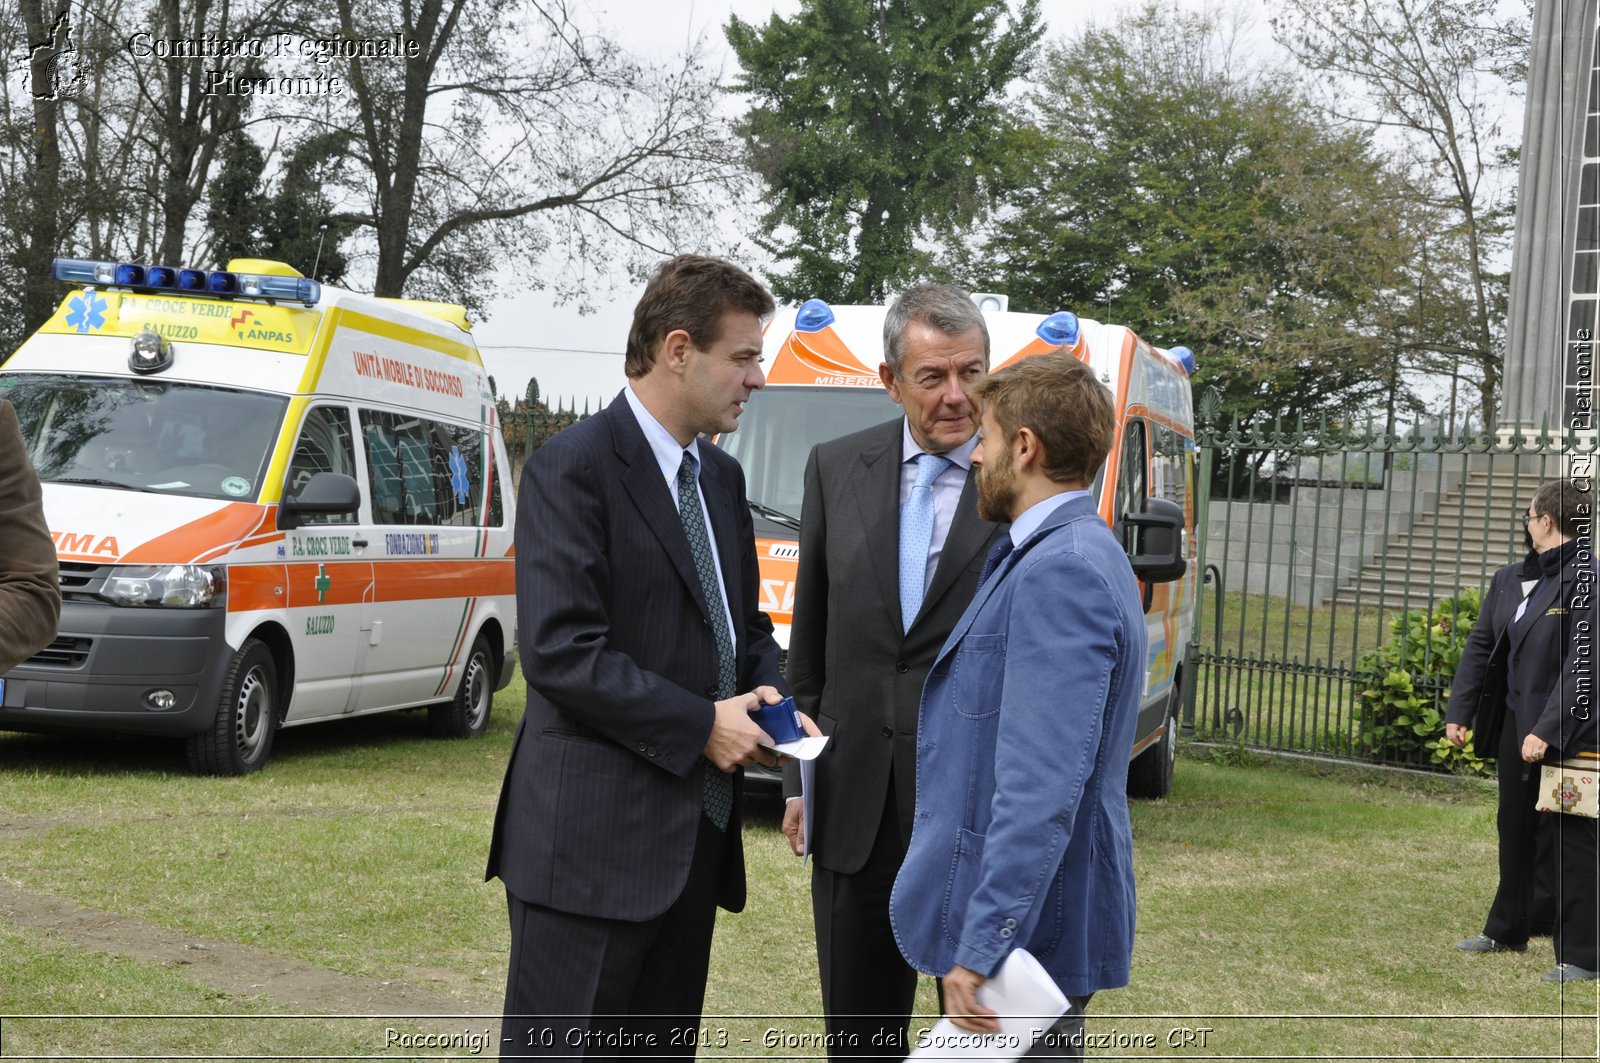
(1430, 73)
(510, 132)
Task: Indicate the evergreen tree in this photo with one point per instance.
(877, 125)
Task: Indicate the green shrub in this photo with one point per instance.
(1406, 682)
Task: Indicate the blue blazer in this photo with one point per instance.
(602, 798)
(1021, 835)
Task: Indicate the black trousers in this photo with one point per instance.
(1524, 903)
(1577, 846)
(582, 986)
(868, 989)
(1064, 1040)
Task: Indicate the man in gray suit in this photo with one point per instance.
(890, 551)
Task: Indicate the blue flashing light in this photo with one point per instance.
(1185, 358)
(199, 281)
(814, 316)
(1060, 328)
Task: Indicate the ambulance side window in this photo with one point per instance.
(1131, 471)
(424, 471)
(324, 445)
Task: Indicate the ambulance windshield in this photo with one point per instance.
(146, 435)
(779, 427)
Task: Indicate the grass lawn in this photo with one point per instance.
(1282, 912)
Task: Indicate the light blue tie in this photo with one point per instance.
(916, 536)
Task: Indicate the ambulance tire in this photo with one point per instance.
(467, 714)
(240, 736)
(1150, 774)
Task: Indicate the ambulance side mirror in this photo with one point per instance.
(1154, 541)
(326, 493)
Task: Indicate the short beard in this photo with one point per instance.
(995, 498)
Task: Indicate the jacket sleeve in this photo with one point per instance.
(808, 631)
(1466, 688)
(1568, 720)
(30, 593)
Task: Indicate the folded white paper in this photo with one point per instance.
(1028, 1003)
(801, 748)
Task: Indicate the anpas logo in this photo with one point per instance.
(244, 330)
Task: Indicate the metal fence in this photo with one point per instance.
(527, 425)
(1342, 567)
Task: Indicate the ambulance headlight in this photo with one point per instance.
(171, 586)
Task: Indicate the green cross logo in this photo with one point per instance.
(322, 583)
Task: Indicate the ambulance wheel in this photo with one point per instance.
(240, 736)
(1150, 774)
(467, 714)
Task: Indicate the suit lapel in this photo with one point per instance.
(876, 482)
(1540, 600)
(1064, 514)
(645, 485)
(968, 534)
(720, 504)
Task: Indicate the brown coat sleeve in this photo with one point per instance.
(30, 598)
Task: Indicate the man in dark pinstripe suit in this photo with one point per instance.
(617, 835)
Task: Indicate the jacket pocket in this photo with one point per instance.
(964, 871)
(974, 672)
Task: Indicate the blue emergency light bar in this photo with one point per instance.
(184, 280)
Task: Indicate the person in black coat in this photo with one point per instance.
(1524, 903)
(1549, 655)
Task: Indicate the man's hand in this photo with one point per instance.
(794, 824)
(1455, 734)
(961, 1001)
(1533, 748)
(735, 739)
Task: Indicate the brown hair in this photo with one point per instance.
(690, 292)
(1565, 503)
(1059, 399)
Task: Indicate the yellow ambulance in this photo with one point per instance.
(274, 502)
(822, 383)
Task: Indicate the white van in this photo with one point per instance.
(274, 502)
(822, 383)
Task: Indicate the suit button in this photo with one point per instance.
(650, 752)
(888, 732)
(641, 747)
(902, 667)
(711, 690)
(1011, 924)
(1006, 932)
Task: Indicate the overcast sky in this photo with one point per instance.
(583, 358)
(579, 356)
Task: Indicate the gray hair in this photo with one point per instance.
(942, 306)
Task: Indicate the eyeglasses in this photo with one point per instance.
(1527, 518)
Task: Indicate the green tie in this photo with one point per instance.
(718, 795)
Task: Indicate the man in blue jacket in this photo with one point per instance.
(1021, 835)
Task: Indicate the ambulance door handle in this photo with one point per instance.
(359, 543)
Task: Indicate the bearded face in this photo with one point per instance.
(997, 479)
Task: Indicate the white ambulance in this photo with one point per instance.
(274, 503)
(822, 383)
